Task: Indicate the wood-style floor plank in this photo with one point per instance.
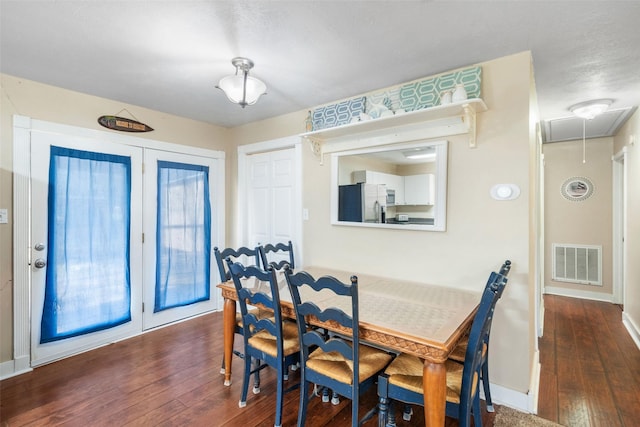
(590, 358)
(170, 377)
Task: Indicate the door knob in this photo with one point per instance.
(39, 246)
(40, 263)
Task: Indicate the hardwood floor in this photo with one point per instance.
(590, 366)
(170, 377)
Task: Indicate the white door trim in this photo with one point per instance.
(275, 144)
(619, 224)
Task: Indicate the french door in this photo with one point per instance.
(178, 255)
(75, 229)
(118, 247)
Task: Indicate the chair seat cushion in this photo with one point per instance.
(334, 365)
(266, 342)
(406, 371)
(258, 312)
(459, 353)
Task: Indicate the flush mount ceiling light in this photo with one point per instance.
(420, 153)
(589, 109)
(241, 88)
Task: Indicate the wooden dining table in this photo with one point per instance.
(417, 318)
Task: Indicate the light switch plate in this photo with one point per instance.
(4, 216)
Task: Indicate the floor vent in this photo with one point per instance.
(577, 264)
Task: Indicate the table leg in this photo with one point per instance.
(229, 328)
(434, 381)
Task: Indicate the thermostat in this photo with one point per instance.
(505, 191)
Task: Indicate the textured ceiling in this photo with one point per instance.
(168, 55)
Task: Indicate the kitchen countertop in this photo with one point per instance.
(423, 221)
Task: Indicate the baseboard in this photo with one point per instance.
(633, 329)
(524, 402)
(11, 368)
(578, 293)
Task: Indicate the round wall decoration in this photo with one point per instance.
(577, 188)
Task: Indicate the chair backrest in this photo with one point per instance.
(343, 300)
(283, 248)
(257, 287)
(234, 254)
(479, 331)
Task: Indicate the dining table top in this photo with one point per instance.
(420, 318)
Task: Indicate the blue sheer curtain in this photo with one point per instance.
(87, 285)
(183, 235)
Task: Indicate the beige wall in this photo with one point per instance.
(587, 222)
(481, 232)
(43, 102)
(632, 237)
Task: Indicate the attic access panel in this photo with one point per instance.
(570, 128)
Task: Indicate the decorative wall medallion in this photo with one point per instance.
(577, 188)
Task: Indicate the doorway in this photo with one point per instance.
(619, 226)
(112, 248)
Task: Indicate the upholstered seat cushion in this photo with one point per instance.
(266, 342)
(335, 366)
(406, 371)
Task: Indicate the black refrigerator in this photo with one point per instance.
(362, 202)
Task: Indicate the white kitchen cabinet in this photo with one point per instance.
(419, 189)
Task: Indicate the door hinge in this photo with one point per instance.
(142, 167)
(142, 237)
(143, 307)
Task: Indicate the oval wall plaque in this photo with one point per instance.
(123, 124)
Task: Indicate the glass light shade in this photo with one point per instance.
(590, 109)
(232, 86)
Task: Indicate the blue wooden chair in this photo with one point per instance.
(242, 253)
(402, 380)
(270, 251)
(269, 340)
(460, 351)
(332, 361)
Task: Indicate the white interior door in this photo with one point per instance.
(69, 334)
(272, 189)
(180, 282)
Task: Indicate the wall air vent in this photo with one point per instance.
(577, 264)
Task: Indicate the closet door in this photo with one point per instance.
(179, 228)
(86, 248)
(271, 186)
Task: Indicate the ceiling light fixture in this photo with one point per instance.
(588, 110)
(241, 88)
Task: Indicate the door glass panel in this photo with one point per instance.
(87, 280)
(183, 235)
